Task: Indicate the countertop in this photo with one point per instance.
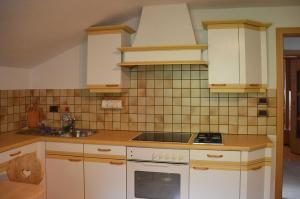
(231, 142)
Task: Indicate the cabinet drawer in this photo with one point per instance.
(210, 155)
(8, 155)
(64, 148)
(255, 155)
(104, 151)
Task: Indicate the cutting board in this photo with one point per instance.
(34, 116)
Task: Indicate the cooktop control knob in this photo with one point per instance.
(167, 156)
(161, 156)
(154, 156)
(180, 157)
(174, 157)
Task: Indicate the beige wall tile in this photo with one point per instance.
(252, 121)
(204, 119)
(213, 111)
(168, 119)
(204, 128)
(186, 119)
(233, 111)
(243, 111)
(177, 119)
(223, 119)
(223, 110)
(168, 109)
(233, 129)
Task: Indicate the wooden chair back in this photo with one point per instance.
(26, 169)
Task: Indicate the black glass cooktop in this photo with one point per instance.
(163, 137)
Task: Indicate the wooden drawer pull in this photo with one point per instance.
(200, 168)
(75, 160)
(111, 85)
(214, 156)
(253, 85)
(116, 163)
(218, 84)
(256, 168)
(104, 150)
(14, 154)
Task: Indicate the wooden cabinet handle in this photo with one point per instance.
(214, 156)
(104, 150)
(14, 154)
(111, 85)
(256, 168)
(200, 168)
(75, 160)
(218, 84)
(116, 163)
(253, 85)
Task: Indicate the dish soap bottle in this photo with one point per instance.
(67, 121)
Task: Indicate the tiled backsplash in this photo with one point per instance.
(161, 98)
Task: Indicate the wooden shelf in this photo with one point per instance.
(108, 90)
(133, 64)
(162, 48)
(235, 23)
(109, 29)
(237, 88)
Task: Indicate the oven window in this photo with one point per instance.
(156, 185)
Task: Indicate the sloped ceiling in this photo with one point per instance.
(32, 31)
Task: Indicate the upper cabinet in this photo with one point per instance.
(103, 73)
(237, 56)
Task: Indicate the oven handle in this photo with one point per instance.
(149, 164)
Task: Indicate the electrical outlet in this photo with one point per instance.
(262, 101)
(262, 113)
(113, 104)
(53, 109)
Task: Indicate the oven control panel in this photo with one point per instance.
(158, 155)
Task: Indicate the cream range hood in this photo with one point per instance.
(165, 36)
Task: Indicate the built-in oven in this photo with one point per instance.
(157, 173)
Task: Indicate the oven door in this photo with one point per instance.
(151, 180)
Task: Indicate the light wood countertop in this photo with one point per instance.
(106, 137)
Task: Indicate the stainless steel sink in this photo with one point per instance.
(58, 132)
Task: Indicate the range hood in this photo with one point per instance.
(165, 36)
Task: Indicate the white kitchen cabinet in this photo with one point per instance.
(237, 56)
(65, 178)
(105, 178)
(105, 171)
(103, 57)
(256, 174)
(214, 183)
(64, 170)
(211, 175)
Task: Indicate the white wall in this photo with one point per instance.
(65, 71)
(12, 78)
(278, 16)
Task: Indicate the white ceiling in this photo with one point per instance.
(32, 31)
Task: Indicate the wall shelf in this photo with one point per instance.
(163, 48)
(142, 63)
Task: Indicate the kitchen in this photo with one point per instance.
(176, 87)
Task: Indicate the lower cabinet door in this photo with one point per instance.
(105, 178)
(214, 184)
(65, 177)
(255, 183)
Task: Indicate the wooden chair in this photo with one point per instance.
(25, 173)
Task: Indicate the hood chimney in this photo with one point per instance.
(165, 25)
(165, 36)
